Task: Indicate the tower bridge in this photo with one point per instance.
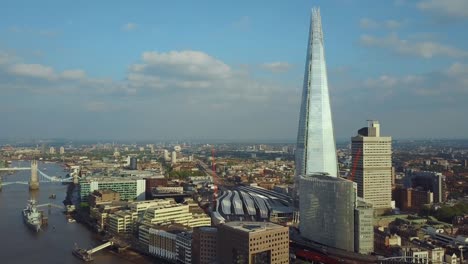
(37, 176)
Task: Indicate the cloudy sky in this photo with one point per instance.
(228, 69)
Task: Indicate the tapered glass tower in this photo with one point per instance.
(316, 150)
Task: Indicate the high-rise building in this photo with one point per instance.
(133, 163)
(428, 181)
(174, 157)
(253, 242)
(62, 150)
(52, 150)
(327, 207)
(315, 150)
(372, 155)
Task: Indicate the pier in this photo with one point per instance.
(87, 255)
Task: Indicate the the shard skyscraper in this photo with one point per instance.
(315, 150)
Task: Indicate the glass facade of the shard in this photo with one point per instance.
(316, 150)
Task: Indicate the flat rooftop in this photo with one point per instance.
(252, 227)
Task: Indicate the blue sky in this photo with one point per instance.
(228, 70)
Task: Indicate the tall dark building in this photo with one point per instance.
(133, 163)
(427, 181)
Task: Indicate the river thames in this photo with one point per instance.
(53, 244)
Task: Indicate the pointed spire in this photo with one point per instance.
(316, 25)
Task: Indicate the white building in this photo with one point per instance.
(372, 155)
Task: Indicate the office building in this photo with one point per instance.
(326, 209)
(168, 212)
(128, 188)
(133, 163)
(253, 242)
(372, 155)
(428, 181)
(174, 157)
(363, 227)
(163, 242)
(204, 245)
(409, 199)
(62, 150)
(184, 247)
(52, 150)
(315, 149)
(122, 222)
(100, 197)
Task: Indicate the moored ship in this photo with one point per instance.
(31, 216)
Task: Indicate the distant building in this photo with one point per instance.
(372, 154)
(253, 242)
(166, 155)
(133, 163)
(62, 150)
(204, 245)
(428, 181)
(326, 209)
(451, 259)
(152, 182)
(52, 150)
(415, 255)
(174, 157)
(99, 197)
(128, 188)
(409, 199)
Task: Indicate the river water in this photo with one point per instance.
(19, 244)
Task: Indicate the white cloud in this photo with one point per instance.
(32, 70)
(187, 63)
(129, 27)
(73, 74)
(277, 67)
(393, 24)
(424, 49)
(368, 23)
(445, 8)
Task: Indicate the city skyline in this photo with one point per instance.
(144, 74)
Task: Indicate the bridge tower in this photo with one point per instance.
(34, 182)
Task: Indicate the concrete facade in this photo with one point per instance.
(372, 155)
(253, 242)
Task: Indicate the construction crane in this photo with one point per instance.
(356, 160)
